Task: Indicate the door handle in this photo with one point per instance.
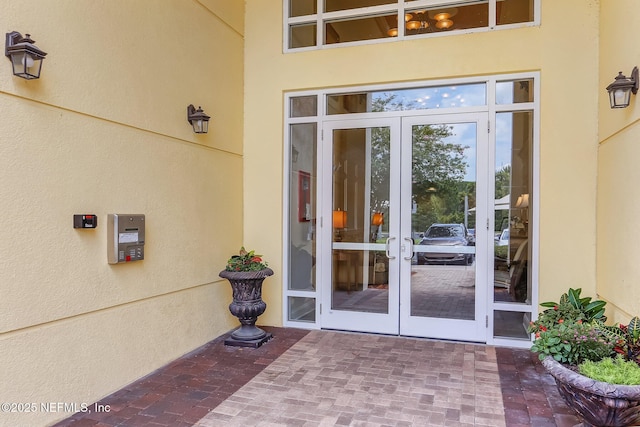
(410, 240)
(386, 243)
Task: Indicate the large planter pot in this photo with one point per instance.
(598, 403)
(247, 305)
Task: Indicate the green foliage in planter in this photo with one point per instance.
(570, 308)
(572, 342)
(627, 339)
(612, 371)
(246, 261)
(574, 307)
(570, 330)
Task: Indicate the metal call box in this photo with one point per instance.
(125, 236)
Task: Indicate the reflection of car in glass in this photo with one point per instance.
(472, 235)
(446, 235)
(503, 238)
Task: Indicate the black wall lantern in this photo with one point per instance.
(25, 57)
(621, 89)
(198, 119)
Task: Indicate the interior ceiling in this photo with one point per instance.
(370, 28)
(467, 16)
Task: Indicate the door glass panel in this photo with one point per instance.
(512, 251)
(361, 162)
(511, 324)
(302, 199)
(301, 309)
(443, 201)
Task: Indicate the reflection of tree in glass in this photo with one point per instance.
(439, 168)
(503, 187)
(380, 164)
(503, 181)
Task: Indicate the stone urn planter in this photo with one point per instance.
(247, 305)
(598, 403)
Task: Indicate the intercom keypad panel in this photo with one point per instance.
(125, 238)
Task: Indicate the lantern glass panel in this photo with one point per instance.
(619, 98)
(25, 65)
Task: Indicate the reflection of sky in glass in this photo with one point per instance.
(506, 91)
(504, 133)
(465, 134)
(455, 96)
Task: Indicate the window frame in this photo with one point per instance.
(493, 109)
(321, 18)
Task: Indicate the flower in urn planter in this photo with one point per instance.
(246, 261)
(576, 348)
(246, 272)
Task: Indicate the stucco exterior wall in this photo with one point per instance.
(568, 108)
(104, 130)
(618, 172)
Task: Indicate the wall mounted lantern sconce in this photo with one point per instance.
(621, 89)
(198, 119)
(25, 57)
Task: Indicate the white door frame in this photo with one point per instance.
(448, 328)
(398, 319)
(385, 323)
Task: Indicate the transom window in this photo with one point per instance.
(319, 23)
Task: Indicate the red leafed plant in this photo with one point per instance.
(246, 261)
(626, 339)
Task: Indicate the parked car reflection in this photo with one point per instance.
(503, 238)
(447, 235)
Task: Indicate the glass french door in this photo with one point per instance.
(361, 224)
(400, 249)
(443, 292)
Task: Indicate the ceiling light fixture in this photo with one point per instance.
(419, 21)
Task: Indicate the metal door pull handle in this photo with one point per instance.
(410, 240)
(387, 247)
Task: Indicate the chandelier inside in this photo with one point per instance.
(420, 21)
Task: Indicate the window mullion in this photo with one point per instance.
(319, 23)
(492, 14)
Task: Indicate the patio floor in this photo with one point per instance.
(327, 378)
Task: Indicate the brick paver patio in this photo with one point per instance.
(324, 378)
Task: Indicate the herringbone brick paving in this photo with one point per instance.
(325, 378)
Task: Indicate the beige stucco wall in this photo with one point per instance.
(104, 130)
(618, 171)
(565, 55)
